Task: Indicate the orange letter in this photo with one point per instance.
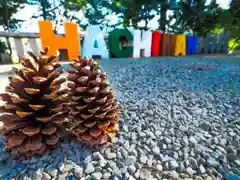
(168, 44)
(71, 41)
(180, 48)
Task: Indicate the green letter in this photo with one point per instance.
(118, 43)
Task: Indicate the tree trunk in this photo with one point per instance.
(146, 24)
(201, 5)
(188, 2)
(162, 22)
(42, 2)
(6, 26)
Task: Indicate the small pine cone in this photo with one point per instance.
(34, 106)
(94, 113)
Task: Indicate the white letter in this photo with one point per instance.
(94, 44)
(142, 43)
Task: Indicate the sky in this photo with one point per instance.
(30, 25)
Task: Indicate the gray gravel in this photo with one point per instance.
(175, 123)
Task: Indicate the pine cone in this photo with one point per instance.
(34, 106)
(94, 113)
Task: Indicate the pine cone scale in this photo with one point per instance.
(39, 80)
(49, 130)
(16, 100)
(10, 117)
(16, 80)
(44, 119)
(16, 139)
(59, 120)
(89, 123)
(104, 124)
(31, 91)
(23, 114)
(52, 140)
(36, 107)
(81, 129)
(95, 131)
(34, 143)
(31, 130)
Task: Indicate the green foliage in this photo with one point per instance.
(234, 45)
(75, 4)
(230, 20)
(95, 12)
(194, 21)
(135, 11)
(52, 11)
(7, 9)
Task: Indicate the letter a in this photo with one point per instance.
(71, 41)
(94, 44)
(180, 48)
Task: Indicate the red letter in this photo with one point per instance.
(156, 42)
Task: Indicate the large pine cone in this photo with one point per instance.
(34, 106)
(94, 113)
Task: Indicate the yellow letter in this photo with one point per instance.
(180, 48)
(71, 41)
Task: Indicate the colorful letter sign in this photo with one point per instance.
(123, 43)
(70, 41)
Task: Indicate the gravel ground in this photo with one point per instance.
(177, 122)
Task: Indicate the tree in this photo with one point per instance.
(135, 11)
(51, 10)
(82, 12)
(163, 17)
(197, 19)
(230, 21)
(235, 8)
(7, 10)
(7, 20)
(94, 12)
